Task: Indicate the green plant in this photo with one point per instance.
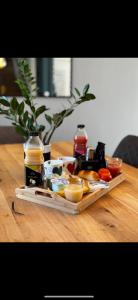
(24, 115)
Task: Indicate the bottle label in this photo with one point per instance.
(80, 146)
(33, 175)
(80, 141)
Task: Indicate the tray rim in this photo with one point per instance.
(65, 205)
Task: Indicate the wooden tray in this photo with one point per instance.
(51, 199)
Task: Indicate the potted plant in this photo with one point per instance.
(24, 115)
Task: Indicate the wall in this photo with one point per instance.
(114, 113)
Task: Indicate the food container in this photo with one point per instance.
(58, 184)
(74, 191)
(114, 164)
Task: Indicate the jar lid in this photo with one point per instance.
(80, 126)
(59, 181)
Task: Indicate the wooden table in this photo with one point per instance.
(112, 218)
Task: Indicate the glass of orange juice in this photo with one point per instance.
(74, 191)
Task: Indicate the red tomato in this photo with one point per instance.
(105, 174)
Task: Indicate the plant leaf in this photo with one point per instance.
(41, 128)
(69, 101)
(40, 110)
(57, 117)
(25, 116)
(87, 97)
(14, 104)
(30, 123)
(62, 113)
(33, 109)
(73, 96)
(21, 130)
(24, 89)
(21, 121)
(4, 102)
(77, 91)
(66, 112)
(49, 119)
(69, 112)
(27, 101)
(86, 88)
(79, 101)
(59, 123)
(21, 108)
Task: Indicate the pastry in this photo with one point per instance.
(89, 175)
(85, 189)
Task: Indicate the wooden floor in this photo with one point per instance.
(113, 218)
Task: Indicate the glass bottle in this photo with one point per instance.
(33, 160)
(80, 141)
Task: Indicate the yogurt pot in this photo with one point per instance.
(69, 164)
(58, 184)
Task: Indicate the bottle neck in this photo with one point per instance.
(34, 137)
(34, 142)
(81, 132)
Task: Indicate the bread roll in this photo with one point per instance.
(89, 175)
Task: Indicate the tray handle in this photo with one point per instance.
(42, 193)
(34, 191)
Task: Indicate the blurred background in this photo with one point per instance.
(114, 81)
(53, 76)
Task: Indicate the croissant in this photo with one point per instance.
(89, 175)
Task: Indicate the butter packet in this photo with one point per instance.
(96, 185)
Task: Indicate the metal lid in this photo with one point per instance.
(80, 126)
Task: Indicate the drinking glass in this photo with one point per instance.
(74, 191)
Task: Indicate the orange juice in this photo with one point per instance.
(33, 161)
(34, 156)
(74, 192)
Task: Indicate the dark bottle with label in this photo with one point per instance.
(99, 155)
(34, 160)
(80, 141)
(94, 159)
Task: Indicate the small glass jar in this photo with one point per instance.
(58, 184)
(114, 165)
(74, 191)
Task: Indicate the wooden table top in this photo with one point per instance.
(112, 218)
